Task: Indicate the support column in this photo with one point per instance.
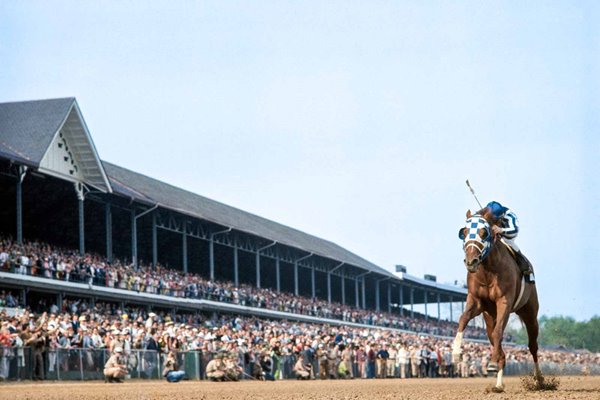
(19, 193)
(426, 301)
(184, 251)
(462, 306)
(329, 287)
(343, 289)
(401, 299)
(108, 224)
(364, 300)
(134, 239)
(24, 297)
(154, 241)
(356, 293)
(296, 278)
(81, 227)
(412, 302)
(81, 217)
(278, 274)
(211, 258)
(258, 269)
(389, 297)
(236, 267)
(313, 284)
(438, 301)
(377, 296)
(451, 319)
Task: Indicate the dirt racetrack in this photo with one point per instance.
(430, 389)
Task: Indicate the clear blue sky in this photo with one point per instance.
(354, 121)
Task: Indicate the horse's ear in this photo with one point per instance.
(469, 214)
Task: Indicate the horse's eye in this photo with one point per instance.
(483, 233)
(461, 233)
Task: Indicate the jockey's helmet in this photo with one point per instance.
(497, 209)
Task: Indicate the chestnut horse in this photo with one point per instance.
(496, 289)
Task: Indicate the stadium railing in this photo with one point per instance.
(16, 363)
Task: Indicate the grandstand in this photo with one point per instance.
(56, 189)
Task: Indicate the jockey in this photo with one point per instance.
(507, 226)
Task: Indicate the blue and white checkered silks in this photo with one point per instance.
(472, 238)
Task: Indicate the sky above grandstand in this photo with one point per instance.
(357, 122)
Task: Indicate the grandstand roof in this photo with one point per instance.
(149, 190)
(28, 128)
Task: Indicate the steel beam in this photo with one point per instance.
(401, 299)
(329, 287)
(438, 304)
(108, 224)
(154, 241)
(426, 301)
(278, 274)
(313, 284)
(211, 252)
(133, 238)
(389, 298)
(364, 292)
(184, 252)
(236, 267)
(296, 271)
(81, 227)
(340, 265)
(412, 302)
(356, 304)
(19, 198)
(258, 262)
(377, 295)
(296, 278)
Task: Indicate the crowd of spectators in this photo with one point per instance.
(329, 352)
(44, 260)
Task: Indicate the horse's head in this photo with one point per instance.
(477, 240)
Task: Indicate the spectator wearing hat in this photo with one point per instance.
(301, 369)
(215, 369)
(114, 369)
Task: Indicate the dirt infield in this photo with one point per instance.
(570, 388)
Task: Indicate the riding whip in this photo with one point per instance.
(474, 195)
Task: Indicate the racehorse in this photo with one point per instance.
(496, 289)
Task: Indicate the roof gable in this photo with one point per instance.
(72, 155)
(52, 136)
(27, 128)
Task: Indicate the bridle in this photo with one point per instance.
(473, 239)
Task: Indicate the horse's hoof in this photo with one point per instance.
(497, 389)
(492, 368)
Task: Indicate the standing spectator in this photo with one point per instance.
(403, 361)
(371, 357)
(382, 357)
(391, 361)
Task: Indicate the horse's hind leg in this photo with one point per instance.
(528, 315)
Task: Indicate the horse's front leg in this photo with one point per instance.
(498, 357)
(472, 309)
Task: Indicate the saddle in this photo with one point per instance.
(522, 262)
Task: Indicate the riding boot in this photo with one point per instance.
(525, 267)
